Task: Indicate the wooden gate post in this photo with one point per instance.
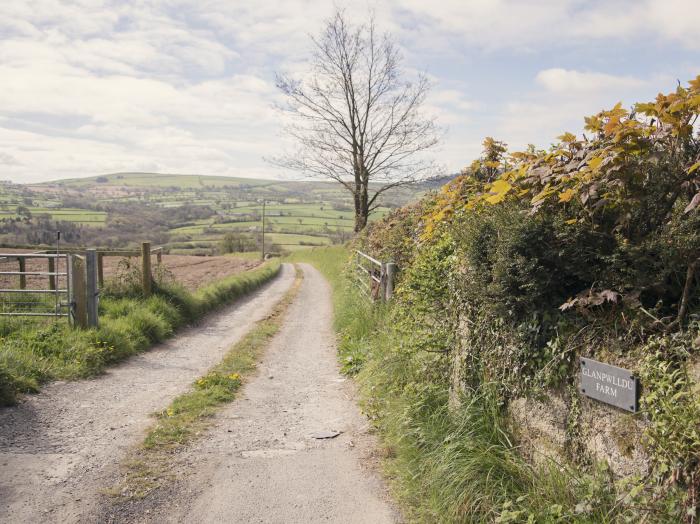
(52, 269)
(91, 289)
(100, 270)
(146, 268)
(22, 269)
(382, 282)
(389, 286)
(77, 271)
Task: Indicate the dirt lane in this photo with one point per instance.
(58, 448)
(259, 462)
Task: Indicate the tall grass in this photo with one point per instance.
(32, 353)
(447, 464)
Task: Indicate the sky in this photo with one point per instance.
(90, 87)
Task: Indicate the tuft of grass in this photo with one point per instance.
(33, 353)
(189, 414)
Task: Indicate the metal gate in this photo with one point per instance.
(38, 285)
(374, 278)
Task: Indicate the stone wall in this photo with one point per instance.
(591, 432)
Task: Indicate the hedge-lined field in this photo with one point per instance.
(118, 209)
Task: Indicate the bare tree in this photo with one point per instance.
(354, 119)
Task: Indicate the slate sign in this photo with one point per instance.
(609, 384)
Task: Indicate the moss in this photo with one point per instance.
(627, 437)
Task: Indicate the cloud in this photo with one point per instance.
(524, 26)
(559, 80)
(448, 106)
(92, 86)
(561, 98)
(8, 160)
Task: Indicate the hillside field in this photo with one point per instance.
(187, 214)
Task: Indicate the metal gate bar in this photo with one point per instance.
(17, 298)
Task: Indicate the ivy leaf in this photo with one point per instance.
(567, 137)
(594, 163)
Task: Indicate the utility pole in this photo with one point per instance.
(263, 230)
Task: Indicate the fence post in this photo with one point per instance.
(100, 270)
(52, 269)
(22, 269)
(146, 267)
(159, 256)
(91, 290)
(77, 265)
(382, 282)
(389, 286)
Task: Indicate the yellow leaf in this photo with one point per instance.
(595, 162)
(567, 137)
(543, 194)
(499, 189)
(571, 221)
(695, 166)
(566, 196)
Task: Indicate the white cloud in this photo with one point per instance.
(568, 80)
(564, 98)
(92, 86)
(518, 25)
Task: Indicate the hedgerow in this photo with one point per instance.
(527, 261)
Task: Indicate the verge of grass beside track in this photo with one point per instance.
(32, 353)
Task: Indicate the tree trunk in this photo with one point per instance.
(361, 205)
(360, 213)
(360, 222)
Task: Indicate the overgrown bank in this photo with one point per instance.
(34, 353)
(509, 274)
(445, 466)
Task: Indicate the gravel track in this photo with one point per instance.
(59, 448)
(259, 462)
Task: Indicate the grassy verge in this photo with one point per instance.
(32, 353)
(354, 320)
(191, 413)
(448, 465)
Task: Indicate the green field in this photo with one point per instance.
(194, 212)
